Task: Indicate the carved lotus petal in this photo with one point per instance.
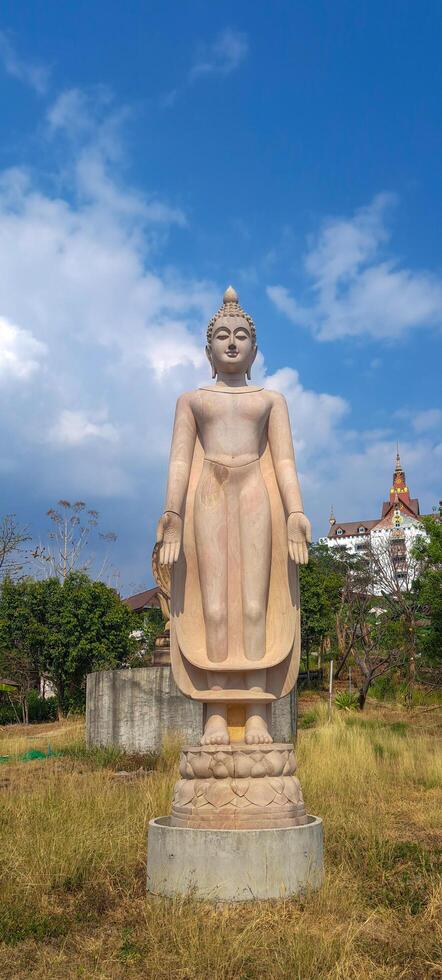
(291, 789)
(240, 786)
(220, 771)
(276, 761)
(260, 792)
(291, 763)
(288, 767)
(240, 802)
(225, 759)
(269, 765)
(219, 793)
(183, 766)
(201, 787)
(201, 764)
(200, 801)
(276, 784)
(257, 755)
(259, 769)
(184, 792)
(280, 800)
(229, 763)
(242, 764)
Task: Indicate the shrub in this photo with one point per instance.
(346, 701)
(386, 688)
(308, 719)
(7, 714)
(41, 709)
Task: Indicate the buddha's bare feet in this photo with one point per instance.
(256, 731)
(216, 731)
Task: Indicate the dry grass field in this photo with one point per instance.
(73, 837)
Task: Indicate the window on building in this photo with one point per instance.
(339, 531)
(362, 530)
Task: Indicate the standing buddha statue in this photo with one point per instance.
(233, 533)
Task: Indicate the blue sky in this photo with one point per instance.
(151, 155)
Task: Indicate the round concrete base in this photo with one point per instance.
(234, 865)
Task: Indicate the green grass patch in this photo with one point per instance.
(109, 757)
(376, 725)
(308, 719)
(18, 924)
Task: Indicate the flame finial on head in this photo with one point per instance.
(230, 296)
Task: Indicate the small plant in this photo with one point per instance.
(346, 701)
(308, 720)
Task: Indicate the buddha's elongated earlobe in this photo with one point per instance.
(210, 359)
(249, 369)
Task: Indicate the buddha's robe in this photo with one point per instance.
(190, 662)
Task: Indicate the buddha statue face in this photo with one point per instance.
(231, 338)
(232, 348)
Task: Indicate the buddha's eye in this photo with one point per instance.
(222, 336)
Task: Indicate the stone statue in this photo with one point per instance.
(233, 533)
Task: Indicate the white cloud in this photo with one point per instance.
(29, 72)
(74, 427)
(80, 272)
(357, 288)
(92, 125)
(223, 56)
(170, 346)
(20, 352)
(431, 418)
(315, 417)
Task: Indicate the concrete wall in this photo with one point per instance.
(285, 718)
(134, 710)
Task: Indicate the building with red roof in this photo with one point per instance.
(400, 521)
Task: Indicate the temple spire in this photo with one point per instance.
(399, 490)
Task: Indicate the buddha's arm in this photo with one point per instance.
(283, 455)
(181, 454)
(281, 448)
(170, 525)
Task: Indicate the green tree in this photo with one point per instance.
(429, 590)
(321, 583)
(22, 637)
(87, 628)
(379, 615)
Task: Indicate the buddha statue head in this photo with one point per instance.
(231, 338)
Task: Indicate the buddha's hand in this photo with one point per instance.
(299, 533)
(169, 534)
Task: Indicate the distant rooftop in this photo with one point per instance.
(143, 600)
